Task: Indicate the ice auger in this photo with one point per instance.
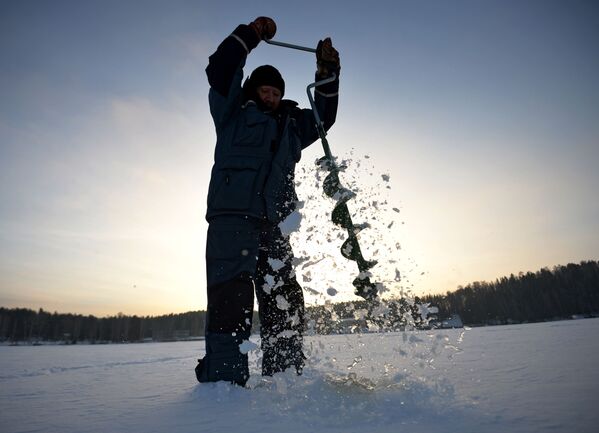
(333, 189)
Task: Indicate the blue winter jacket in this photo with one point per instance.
(256, 152)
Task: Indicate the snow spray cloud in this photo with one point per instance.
(326, 277)
(323, 272)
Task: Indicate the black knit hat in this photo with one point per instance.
(266, 75)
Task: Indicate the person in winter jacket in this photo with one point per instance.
(260, 137)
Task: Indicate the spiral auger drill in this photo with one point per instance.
(333, 189)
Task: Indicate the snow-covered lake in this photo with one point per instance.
(519, 378)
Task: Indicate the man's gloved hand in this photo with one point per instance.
(327, 58)
(264, 27)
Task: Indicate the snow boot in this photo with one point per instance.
(223, 360)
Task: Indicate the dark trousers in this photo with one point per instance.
(244, 257)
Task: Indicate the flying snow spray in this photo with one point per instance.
(333, 189)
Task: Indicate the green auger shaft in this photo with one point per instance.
(342, 217)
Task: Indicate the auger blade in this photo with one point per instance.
(351, 251)
(365, 265)
(331, 184)
(357, 228)
(341, 216)
(348, 248)
(351, 247)
(333, 189)
(365, 288)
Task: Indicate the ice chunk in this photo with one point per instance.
(269, 283)
(291, 224)
(282, 303)
(347, 249)
(397, 275)
(275, 264)
(247, 346)
(360, 314)
(364, 275)
(286, 334)
(355, 362)
(294, 320)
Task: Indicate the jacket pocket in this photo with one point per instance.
(250, 130)
(237, 185)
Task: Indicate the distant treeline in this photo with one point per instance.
(547, 294)
(19, 324)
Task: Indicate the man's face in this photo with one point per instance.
(270, 96)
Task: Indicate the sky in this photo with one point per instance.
(485, 115)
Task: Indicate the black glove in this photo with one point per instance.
(327, 58)
(264, 27)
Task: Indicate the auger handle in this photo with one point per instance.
(321, 132)
(319, 126)
(286, 45)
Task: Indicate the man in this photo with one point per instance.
(260, 137)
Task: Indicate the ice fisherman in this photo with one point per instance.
(260, 137)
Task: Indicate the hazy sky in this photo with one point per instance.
(484, 113)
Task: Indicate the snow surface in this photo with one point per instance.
(519, 378)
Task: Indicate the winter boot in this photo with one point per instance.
(223, 360)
